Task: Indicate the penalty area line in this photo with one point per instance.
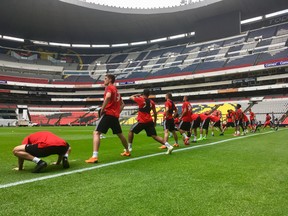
(122, 161)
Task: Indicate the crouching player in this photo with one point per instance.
(216, 122)
(42, 144)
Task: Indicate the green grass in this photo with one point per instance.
(246, 176)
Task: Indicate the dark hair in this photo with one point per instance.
(146, 92)
(169, 95)
(111, 77)
(238, 106)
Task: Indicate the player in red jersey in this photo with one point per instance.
(252, 118)
(245, 124)
(144, 118)
(267, 121)
(170, 111)
(185, 120)
(229, 119)
(204, 125)
(216, 122)
(110, 112)
(196, 120)
(238, 119)
(42, 144)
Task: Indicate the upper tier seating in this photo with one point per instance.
(255, 47)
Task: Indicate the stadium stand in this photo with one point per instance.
(225, 68)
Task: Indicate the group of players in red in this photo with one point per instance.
(42, 144)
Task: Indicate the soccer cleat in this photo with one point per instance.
(40, 165)
(163, 147)
(194, 141)
(125, 154)
(169, 151)
(204, 138)
(65, 163)
(200, 139)
(176, 145)
(187, 142)
(92, 160)
(221, 134)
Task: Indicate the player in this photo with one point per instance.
(185, 120)
(196, 120)
(267, 121)
(238, 119)
(42, 144)
(109, 118)
(229, 119)
(216, 122)
(170, 110)
(145, 121)
(204, 125)
(245, 122)
(252, 118)
(276, 124)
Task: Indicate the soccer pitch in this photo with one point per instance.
(223, 175)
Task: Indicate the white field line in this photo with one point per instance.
(122, 161)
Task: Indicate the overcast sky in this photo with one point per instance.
(138, 3)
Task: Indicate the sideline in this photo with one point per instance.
(124, 161)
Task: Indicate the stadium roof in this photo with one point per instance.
(76, 22)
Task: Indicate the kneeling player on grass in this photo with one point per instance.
(42, 144)
(145, 120)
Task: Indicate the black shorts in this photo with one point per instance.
(185, 126)
(106, 122)
(169, 124)
(148, 127)
(205, 124)
(252, 122)
(217, 124)
(44, 152)
(196, 123)
(238, 122)
(230, 124)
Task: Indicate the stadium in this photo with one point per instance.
(54, 56)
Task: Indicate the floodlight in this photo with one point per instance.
(13, 38)
(100, 45)
(158, 40)
(254, 19)
(59, 44)
(81, 45)
(276, 13)
(138, 43)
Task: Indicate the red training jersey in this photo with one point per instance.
(245, 118)
(268, 117)
(229, 117)
(145, 106)
(252, 116)
(194, 116)
(238, 114)
(44, 139)
(114, 105)
(203, 116)
(187, 117)
(214, 118)
(171, 108)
